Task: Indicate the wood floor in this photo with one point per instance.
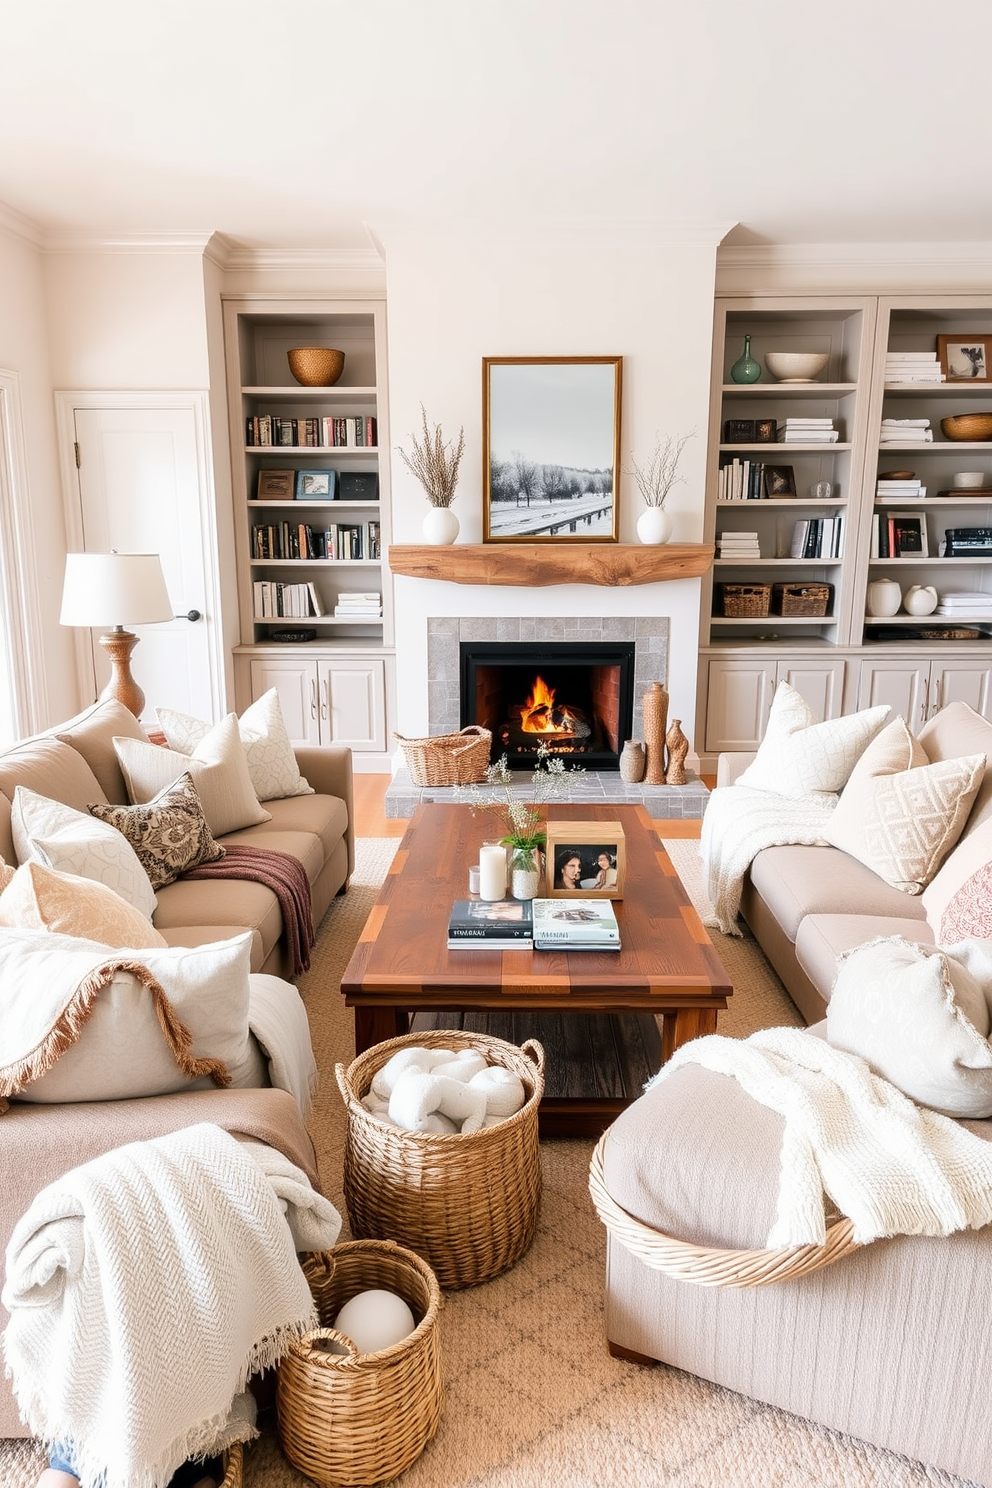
(371, 820)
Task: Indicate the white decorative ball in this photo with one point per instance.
(375, 1320)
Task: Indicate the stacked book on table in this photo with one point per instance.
(575, 925)
(906, 431)
(887, 489)
(912, 367)
(737, 545)
(572, 924)
(961, 606)
(490, 925)
(356, 606)
(808, 431)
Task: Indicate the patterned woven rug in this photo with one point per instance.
(532, 1399)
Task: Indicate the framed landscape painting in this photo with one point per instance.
(550, 448)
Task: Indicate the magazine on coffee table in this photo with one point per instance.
(493, 924)
(575, 925)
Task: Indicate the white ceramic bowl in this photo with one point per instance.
(969, 480)
(796, 366)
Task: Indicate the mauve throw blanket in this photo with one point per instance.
(286, 877)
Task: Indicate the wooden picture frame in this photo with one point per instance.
(590, 843)
(965, 358)
(316, 485)
(275, 485)
(551, 449)
(766, 431)
(907, 534)
(779, 482)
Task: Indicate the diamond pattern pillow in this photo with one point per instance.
(271, 760)
(169, 834)
(218, 768)
(48, 832)
(799, 757)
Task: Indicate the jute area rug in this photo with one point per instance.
(532, 1399)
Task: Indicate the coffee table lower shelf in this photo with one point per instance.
(596, 1063)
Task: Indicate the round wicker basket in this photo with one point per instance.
(316, 366)
(707, 1265)
(468, 1204)
(350, 1419)
(976, 427)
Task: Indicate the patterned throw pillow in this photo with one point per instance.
(969, 914)
(169, 834)
(46, 831)
(40, 898)
(271, 760)
(799, 757)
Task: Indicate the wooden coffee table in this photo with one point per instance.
(593, 1010)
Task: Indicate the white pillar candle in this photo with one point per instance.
(492, 871)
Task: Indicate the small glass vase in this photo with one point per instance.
(525, 873)
(746, 369)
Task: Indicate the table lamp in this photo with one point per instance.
(116, 589)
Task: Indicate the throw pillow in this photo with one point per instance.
(799, 757)
(45, 831)
(972, 852)
(120, 1048)
(969, 914)
(218, 769)
(901, 818)
(920, 1019)
(92, 734)
(40, 898)
(169, 834)
(262, 729)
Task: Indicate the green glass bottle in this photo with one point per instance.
(746, 369)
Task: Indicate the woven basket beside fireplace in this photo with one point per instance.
(448, 759)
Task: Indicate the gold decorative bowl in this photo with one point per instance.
(316, 366)
(976, 427)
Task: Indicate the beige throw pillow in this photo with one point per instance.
(271, 760)
(45, 831)
(799, 757)
(900, 817)
(170, 834)
(972, 853)
(218, 769)
(40, 898)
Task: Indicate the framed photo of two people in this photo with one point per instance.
(585, 858)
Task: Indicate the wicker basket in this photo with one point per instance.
(801, 599)
(316, 366)
(349, 1418)
(976, 427)
(706, 1265)
(467, 1204)
(448, 759)
(233, 1467)
(744, 601)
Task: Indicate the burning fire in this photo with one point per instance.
(539, 715)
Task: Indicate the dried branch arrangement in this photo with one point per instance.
(656, 480)
(434, 462)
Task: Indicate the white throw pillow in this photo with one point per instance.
(799, 757)
(218, 769)
(899, 816)
(271, 760)
(920, 1018)
(121, 1052)
(45, 831)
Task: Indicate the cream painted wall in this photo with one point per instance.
(458, 293)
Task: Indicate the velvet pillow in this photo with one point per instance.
(268, 750)
(40, 898)
(218, 769)
(45, 831)
(169, 834)
(799, 757)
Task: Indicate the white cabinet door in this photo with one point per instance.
(738, 697)
(821, 683)
(902, 683)
(961, 681)
(295, 680)
(351, 702)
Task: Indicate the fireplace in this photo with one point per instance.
(575, 697)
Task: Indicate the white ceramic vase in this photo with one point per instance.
(440, 525)
(920, 599)
(525, 878)
(884, 598)
(654, 525)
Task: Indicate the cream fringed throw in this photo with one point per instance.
(146, 1286)
(891, 1167)
(740, 822)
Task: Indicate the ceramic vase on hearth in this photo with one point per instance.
(655, 708)
(632, 762)
(678, 747)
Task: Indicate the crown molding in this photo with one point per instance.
(19, 226)
(192, 241)
(872, 267)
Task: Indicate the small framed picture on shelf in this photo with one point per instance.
(780, 482)
(585, 858)
(907, 533)
(765, 431)
(275, 485)
(316, 485)
(965, 358)
(739, 431)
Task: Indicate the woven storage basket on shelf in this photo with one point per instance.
(800, 599)
(467, 1204)
(744, 601)
(448, 759)
(356, 1419)
(707, 1265)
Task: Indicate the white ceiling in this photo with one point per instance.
(298, 123)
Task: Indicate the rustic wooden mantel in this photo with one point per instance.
(534, 565)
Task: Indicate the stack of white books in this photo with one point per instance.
(903, 367)
(357, 606)
(906, 431)
(964, 606)
(738, 545)
(899, 490)
(808, 431)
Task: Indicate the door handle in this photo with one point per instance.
(938, 689)
(191, 615)
(324, 698)
(313, 699)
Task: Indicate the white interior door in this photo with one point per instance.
(142, 485)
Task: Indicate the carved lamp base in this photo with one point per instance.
(118, 645)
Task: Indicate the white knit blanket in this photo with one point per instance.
(739, 822)
(145, 1287)
(892, 1167)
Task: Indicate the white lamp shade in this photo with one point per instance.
(110, 589)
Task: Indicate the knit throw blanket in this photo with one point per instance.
(893, 1168)
(739, 822)
(145, 1287)
(286, 877)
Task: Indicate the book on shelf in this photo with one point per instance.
(486, 922)
(267, 430)
(574, 924)
(272, 599)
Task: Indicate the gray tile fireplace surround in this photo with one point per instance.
(597, 787)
